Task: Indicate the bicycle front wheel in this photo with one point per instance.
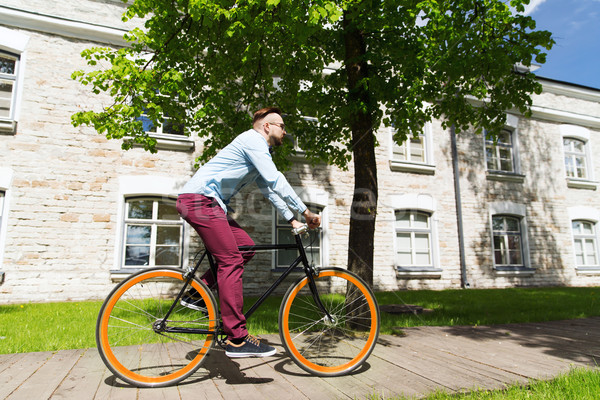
(136, 342)
(324, 346)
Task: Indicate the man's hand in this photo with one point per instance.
(296, 224)
(313, 220)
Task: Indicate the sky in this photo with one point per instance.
(575, 26)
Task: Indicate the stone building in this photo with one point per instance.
(77, 213)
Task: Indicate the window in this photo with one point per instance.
(507, 242)
(585, 243)
(499, 153)
(575, 158)
(1, 210)
(413, 239)
(9, 65)
(414, 154)
(167, 127)
(168, 135)
(307, 123)
(283, 235)
(153, 233)
(1, 207)
(6, 176)
(412, 150)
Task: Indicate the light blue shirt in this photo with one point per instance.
(245, 160)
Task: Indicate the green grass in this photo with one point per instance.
(491, 306)
(47, 326)
(57, 326)
(579, 383)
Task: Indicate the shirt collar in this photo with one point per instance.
(263, 138)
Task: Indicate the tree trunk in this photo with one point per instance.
(364, 201)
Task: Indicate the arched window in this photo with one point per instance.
(508, 241)
(9, 64)
(499, 153)
(413, 239)
(585, 243)
(575, 158)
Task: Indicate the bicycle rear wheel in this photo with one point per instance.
(134, 344)
(326, 347)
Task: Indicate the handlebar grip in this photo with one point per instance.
(300, 230)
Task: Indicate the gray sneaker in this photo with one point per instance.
(250, 347)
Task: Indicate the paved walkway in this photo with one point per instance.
(452, 359)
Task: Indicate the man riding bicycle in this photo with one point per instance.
(203, 204)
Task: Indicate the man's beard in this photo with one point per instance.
(277, 141)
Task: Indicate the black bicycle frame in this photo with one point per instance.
(308, 270)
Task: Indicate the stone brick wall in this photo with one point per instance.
(63, 227)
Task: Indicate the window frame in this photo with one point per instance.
(581, 134)
(573, 155)
(311, 197)
(165, 140)
(154, 223)
(280, 225)
(14, 78)
(518, 211)
(298, 152)
(511, 126)
(413, 232)
(14, 44)
(593, 236)
(591, 215)
(496, 146)
(422, 203)
(6, 176)
(426, 166)
(2, 223)
(506, 234)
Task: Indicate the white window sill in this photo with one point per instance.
(170, 142)
(8, 127)
(502, 176)
(418, 168)
(591, 270)
(514, 271)
(299, 155)
(119, 275)
(418, 273)
(575, 183)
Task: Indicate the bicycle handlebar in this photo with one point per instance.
(300, 230)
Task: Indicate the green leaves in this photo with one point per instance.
(208, 64)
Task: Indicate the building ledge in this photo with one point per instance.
(418, 273)
(170, 142)
(122, 274)
(8, 127)
(417, 168)
(505, 176)
(595, 270)
(575, 183)
(514, 271)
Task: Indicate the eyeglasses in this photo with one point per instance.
(281, 125)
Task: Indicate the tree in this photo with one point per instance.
(352, 65)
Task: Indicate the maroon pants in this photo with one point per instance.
(221, 236)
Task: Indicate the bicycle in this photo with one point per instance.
(328, 321)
